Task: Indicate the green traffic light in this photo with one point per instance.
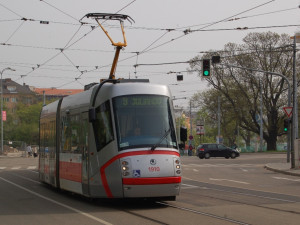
(206, 73)
(285, 129)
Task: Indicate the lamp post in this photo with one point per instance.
(8, 68)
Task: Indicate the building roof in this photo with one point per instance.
(11, 87)
(57, 92)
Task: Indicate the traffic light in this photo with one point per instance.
(183, 134)
(286, 125)
(206, 67)
(179, 77)
(215, 59)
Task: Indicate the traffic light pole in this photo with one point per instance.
(289, 152)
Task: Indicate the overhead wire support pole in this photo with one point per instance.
(289, 104)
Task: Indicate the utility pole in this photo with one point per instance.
(295, 103)
(8, 68)
(219, 120)
(261, 117)
(191, 129)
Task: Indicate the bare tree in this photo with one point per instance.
(264, 51)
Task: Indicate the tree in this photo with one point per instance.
(208, 101)
(24, 124)
(264, 51)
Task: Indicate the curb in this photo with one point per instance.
(282, 171)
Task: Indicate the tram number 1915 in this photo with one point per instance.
(153, 168)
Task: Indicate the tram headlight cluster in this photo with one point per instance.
(177, 166)
(125, 168)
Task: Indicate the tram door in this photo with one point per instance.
(85, 153)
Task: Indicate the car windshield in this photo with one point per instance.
(144, 121)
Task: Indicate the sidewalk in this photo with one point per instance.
(284, 168)
(13, 154)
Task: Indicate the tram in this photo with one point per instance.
(117, 139)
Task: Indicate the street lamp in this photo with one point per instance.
(8, 68)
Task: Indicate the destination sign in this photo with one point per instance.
(143, 100)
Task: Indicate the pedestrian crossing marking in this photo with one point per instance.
(18, 168)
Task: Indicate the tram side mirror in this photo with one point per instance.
(92, 115)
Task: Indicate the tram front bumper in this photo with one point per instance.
(151, 187)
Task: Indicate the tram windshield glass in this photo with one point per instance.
(144, 121)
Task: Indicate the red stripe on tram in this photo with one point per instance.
(151, 180)
(126, 154)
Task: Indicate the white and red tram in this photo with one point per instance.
(115, 140)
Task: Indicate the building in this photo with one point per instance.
(14, 93)
(53, 93)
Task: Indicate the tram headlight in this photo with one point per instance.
(125, 173)
(124, 163)
(124, 168)
(177, 167)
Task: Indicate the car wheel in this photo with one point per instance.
(233, 155)
(207, 155)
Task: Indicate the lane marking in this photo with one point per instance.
(283, 178)
(2, 168)
(239, 193)
(195, 170)
(16, 168)
(58, 203)
(25, 178)
(188, 186)
(31, 167)
(222, 165)
(235, 181)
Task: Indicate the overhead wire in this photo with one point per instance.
(187, 32)
(15, 31)
(59, 10)
(147, 49)
(68, 46)
(244, 17)
(17, 14)
(211, 24)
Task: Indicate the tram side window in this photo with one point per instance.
(75, 133)
(51, 137)
(42, 140)
(66, 134)
(103, 126)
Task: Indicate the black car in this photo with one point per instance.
(216, 150)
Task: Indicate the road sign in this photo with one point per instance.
(200, 129)
(288, 111)
(4, 115)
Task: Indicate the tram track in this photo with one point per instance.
(233, 221)
(221, 194)
(255, 205)
(248, 193)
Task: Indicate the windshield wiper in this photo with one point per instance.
(161, 139)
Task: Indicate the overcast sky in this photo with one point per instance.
(66, 54)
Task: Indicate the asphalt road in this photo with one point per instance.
(214, 191)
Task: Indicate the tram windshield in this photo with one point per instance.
(144, 121)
